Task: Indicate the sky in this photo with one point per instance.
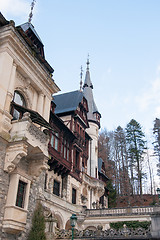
(122, 38)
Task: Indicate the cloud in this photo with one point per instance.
(15, 7)
(151, 95)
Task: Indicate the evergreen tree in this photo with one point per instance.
(135, 147)
(112, 195)
(37, 231)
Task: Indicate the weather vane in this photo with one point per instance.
(31, 13)
(81, 74)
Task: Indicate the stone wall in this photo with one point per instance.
(35, 194)
(4, 181)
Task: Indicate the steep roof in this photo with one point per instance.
(31, 37)
(67, 102)
(26, 26)
(3, 21)
(88, 94)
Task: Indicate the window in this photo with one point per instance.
(73, 195)
(96, 173)
(54, 140)
(65, 149)
(56, 188)
(18, 99)
(45, 181)
(77, 159)
(21, 194)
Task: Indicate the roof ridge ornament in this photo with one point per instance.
(31, 13)
(81, 75)
(88, 62)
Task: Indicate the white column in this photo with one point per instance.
(40, 103)
(34, 102)
(47, 106)
(10, 92)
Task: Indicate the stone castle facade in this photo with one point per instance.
(48, 145)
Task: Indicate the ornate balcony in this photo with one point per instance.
(27, 140)
(94, 183)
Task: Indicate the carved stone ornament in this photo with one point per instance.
(14, 154)
(37, 166)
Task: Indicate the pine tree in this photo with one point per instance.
(37, 231)
(135, 146)
(112, 195)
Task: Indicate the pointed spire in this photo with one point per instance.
(81, 75)
(87, 82)
(88, 94)
(31, 13)
(88, 62)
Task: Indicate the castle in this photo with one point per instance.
(48, 143)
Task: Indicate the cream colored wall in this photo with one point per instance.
(73, 183)
(20, 70)
(93, 152)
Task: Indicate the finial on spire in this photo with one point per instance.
(31, 13)
(81, 74)
(88, 62)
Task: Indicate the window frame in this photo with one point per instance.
(21, 194)
(54, 140)
(14, 112)
(56, 190)
(65, 149)
(74, 195)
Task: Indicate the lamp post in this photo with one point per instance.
(158, 192)
(73, 220)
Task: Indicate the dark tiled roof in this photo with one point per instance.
(88, 94)
(100, 162)
(67, 102)
(26, 26)
(3, 21)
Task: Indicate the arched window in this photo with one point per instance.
(19, 100)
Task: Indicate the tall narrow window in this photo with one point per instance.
(77, 159)
(54, 140)
(18, 99)
(65, 149)
(96, 173)
(73, 195)
(56, 188)
(45, 181)
(21, 194)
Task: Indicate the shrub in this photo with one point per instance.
(130, 224)
(37, 231)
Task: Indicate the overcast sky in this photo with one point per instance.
(122, 38)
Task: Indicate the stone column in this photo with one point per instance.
(10, 92)
(35, 100)
(155, 226)
(47, 106)
(40, 103)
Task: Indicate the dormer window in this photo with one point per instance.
(18, 99)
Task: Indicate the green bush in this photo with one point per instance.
(130, 224)
(37, 231)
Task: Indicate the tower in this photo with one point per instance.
(94, 123)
